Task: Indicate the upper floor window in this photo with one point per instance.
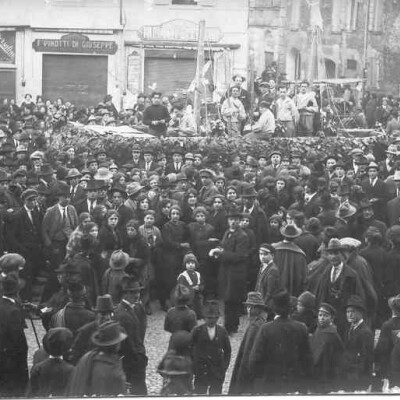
(184, 2)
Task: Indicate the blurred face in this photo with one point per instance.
(282, 92)
(86, 221)
(235, 92)
(280, 185)
(135, 154)
(274, 224)
(131, 231)
(262, 162)
(211, 321)
(94, 232)
(231, 195)
(93, 167)
(353, 315)
(64, 201)
(175, 215)
(191, 265)
(192, 199)
(166, 208)
(275, 159)
(177, 158)
(303, 88)
(31, 203)
(248, 201)
(189, 162)
(112, 221)
(367, 213)
(132, 297)
(324, 319)
(233, 223)
(335, 257)
(200, 218)
(244, 223)
(220, 184)
(217, 204)
(117, 199)
(144, 204)
(148, 157)
(265, 256)
(350, 174)
(296, 161)
(149, 220)
(71, 153)
(339, 171)
(330, 163)
(197, 161)
(372, 173)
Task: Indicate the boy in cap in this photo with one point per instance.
(211, 352)
(327, 351)
(359, 347)
(181, 317)
(51, 376)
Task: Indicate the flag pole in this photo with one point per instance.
(199, 69)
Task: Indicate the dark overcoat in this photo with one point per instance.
(280, 359)
(268, 283)
(242, 380)
(211, 358)
(233, 268)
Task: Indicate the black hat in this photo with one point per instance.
(248, 191)
(10, 285)
(104, 304)
(281, 301)
(182, 294)
(57, 341)
(356, 302)
(46, 170)
(62, 189)
(129, 284)
(108, 334)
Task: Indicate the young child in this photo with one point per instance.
(192, 279)
(274, 227)
(211, 352)
(327, 350)
(305, 311)
(180, 317)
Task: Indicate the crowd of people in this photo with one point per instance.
(308, 250)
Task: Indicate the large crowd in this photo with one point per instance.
(309, 250)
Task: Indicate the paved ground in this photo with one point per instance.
(156, 343)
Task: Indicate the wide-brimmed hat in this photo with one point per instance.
(175, 365)
(46, 170)
(73, 173)
(281, 301)
(314, 226)
(254, 299)
(149, 150)
(356, 302)
(117, 187)
(108, 334)
(248, 191)
(37, 155)
(394, 304)
(207, 172)
(290, 231)
(350, 242)
(365, 203)
(129, 284)
(392, 149)
(346, 210)
(272, 152)
(178, 150)
(103, 174)
(182, 294)
(373, 165)
(133, 188)
(104, 304)
(211, 309)
(92, 185)
(356, 151)
(57, 341)
(335, 245)
(119, 260)
(62, 189)
(189, 156)
(19, 172)
(234, 212)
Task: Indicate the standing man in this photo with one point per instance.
(307, 107)
(233, 256)
(233, 113)
(25, 238)
(13, 344)
(135, 360)
(244, 95)
(280, 359)
(286, 113)
(156, 116)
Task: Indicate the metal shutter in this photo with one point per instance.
(170, 75)
(7, 84)
(82, 80)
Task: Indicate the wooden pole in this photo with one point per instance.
(199, 72)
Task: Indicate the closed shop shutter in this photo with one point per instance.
(170, 75)
(82, 80)
(7, 84)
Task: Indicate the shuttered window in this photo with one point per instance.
(7, 84)
(79, 79)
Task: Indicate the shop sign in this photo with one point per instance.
(178, 30)
(7, 47)
(75, 43)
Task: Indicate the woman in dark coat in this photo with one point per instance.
(175, 235)
(217, 216)
(109, 235)
(189, 204)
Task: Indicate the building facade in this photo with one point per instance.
(280, 31)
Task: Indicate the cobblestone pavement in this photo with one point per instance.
(156, 343)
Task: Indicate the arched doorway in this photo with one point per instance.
(330, 68)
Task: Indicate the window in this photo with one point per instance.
(376, 15)
(184, 2)
(352, 14)
(352, 64)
